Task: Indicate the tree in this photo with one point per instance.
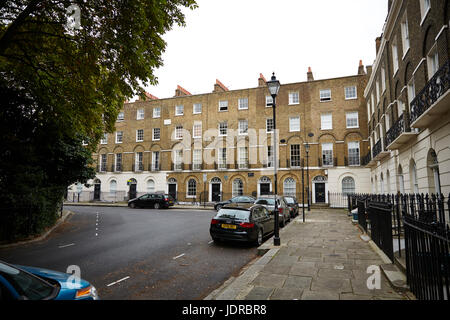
(61, 85)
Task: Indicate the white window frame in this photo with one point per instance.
(295, 152)
(243, 104)
(197, 156)
(294, 98)
(353, 145)
(119, 134)
(179, 110)
(395, 61)
(349, 91)
(406, 43)
(140, 114)
(432, 62)
(121, 116)
(411, 92)
(425, 6)
(383, 79)
(222, 158)
(292, 123)
(223, 127)
(104, 140)
(178, 132)
(324, 121)
(156, 157)
(267, 125)
(326, 148)
(197, 108)
(137, 135)
(243, 157)
(118, 159)
(154, 136)
(195, 130)
(377, 88)
(351, 116)
(157, 112)
(223, 105)
(325, 95)
(269, 102)
(243, 124)
(191, 190)
(138, 159)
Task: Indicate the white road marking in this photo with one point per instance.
(116, 282)
(67, 245)
(174, 258)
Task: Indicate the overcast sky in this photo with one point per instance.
(236, 40)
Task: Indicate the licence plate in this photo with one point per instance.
(228, 226)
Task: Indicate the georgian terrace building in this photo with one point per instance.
(408, 102)
(217, 145)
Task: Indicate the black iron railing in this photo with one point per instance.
(421, 221)
(378, 148)
(435, 88)
(397, 129)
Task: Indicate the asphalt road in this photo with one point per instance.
(138, 253)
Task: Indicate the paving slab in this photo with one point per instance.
(323, 258)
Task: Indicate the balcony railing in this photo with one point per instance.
(366, 159)
(427, 97)
(377, 148)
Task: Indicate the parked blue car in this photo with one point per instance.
(29, 283)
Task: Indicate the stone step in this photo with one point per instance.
(395, 277)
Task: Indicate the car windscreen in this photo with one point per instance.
(27, 285)
(270, 202)
(289, 200)
(233, 214)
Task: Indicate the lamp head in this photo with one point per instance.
(274, 86)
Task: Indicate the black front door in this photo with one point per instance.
(173, 190)
(320, 192)
(133, 192)
(97, 191)
(215, 192)
(264, 189)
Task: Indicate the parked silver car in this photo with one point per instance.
(283, 208)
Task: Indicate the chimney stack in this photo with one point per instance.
(219, 87)
(369, 70)
(310, 75)
(377, 44)
(180, 92)
(361, 68)
(262, 82)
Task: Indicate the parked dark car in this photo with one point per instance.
(152, 200)
(242, 222)
(238, 199)
(31, 283)
(292, 204)
(283, 209)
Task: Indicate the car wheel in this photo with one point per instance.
(156, 206)
(132, 205)
(259, 238)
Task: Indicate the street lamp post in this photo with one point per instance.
(307, 174)
(274, 88)
(307, 169)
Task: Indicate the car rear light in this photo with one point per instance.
(214, 221)
(247, 225)
(280, 210)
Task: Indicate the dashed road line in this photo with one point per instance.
(116, 282)
(66, 245)
(179, 256)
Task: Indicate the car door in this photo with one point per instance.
(256, 217)
(269, 223)
(144, 200)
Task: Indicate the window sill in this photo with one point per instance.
(354, 98)
(326, 100)
(353, 127)
(294, 104)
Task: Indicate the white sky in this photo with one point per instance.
(236, 40)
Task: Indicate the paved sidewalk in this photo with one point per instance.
(321, 259)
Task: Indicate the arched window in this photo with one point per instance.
(348, 185)
(192, 188)
(434, 183)
(113, 187)
(238, 187)
(150, 186)
(289, 188)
